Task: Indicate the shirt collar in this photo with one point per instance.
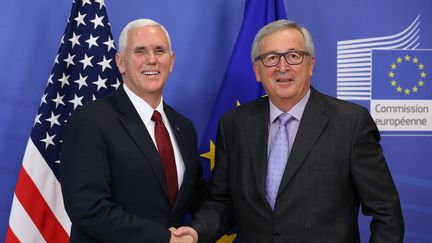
(145, 111)
(296, 111)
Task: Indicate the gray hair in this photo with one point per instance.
(278, 25)
(137, 24)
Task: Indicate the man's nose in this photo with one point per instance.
(151, 58)
(283, 65)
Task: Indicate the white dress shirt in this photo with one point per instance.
(145, 111)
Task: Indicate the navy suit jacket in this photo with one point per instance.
(336, 164)
(112, 178)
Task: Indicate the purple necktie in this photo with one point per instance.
(278, 158)
(166, 153)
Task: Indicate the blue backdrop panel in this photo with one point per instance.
(203, 35)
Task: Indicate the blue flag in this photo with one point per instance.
(239, 84)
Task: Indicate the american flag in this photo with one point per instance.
(84, 70)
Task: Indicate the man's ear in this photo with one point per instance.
(120, 63)
(311, 65)
(172, 61)
(257, 76)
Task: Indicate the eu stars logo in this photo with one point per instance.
(401, 97)
(402, 87)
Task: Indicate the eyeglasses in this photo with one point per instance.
(273, 58)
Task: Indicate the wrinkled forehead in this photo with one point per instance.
(282, 40)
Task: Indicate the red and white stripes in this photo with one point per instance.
(37, 213)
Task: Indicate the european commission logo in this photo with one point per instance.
(394, 75)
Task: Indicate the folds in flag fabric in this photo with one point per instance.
(84, 69)
(239, 84)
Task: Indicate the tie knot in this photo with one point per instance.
(284, 118)
(156, 117)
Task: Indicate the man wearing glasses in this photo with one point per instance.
(296, 166)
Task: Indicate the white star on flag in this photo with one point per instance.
(105, 63)
(58, 100)
(53, 120)
(86, 61)
(116, 85)
(97, 21)
(69, 60)
(43, 100)
(80, 19)
(76, 101)
(86, 2)
(50, 79)
(81, 81)
(37, 119)
(64, 79)
(109, 43)
(100, 83)
(101, 3)
(75, 40)
(92, 41)
(48, 140)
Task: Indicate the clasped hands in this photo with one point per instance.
(183, 234)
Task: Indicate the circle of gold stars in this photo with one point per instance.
(417, 85)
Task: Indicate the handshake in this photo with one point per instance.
(183, 234)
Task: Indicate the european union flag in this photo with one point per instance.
(402, 74)
(239, 84)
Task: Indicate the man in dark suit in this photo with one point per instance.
(296, 166)
(129, 164)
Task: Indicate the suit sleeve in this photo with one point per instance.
(85, 179)
(215, 217)
(378, 194)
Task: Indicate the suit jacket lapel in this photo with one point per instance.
(257, 137)
(311, 127)
(139, 134)
(181, 142)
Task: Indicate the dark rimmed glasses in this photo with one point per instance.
(273, 58)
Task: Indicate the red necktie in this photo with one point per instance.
(166, 153)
